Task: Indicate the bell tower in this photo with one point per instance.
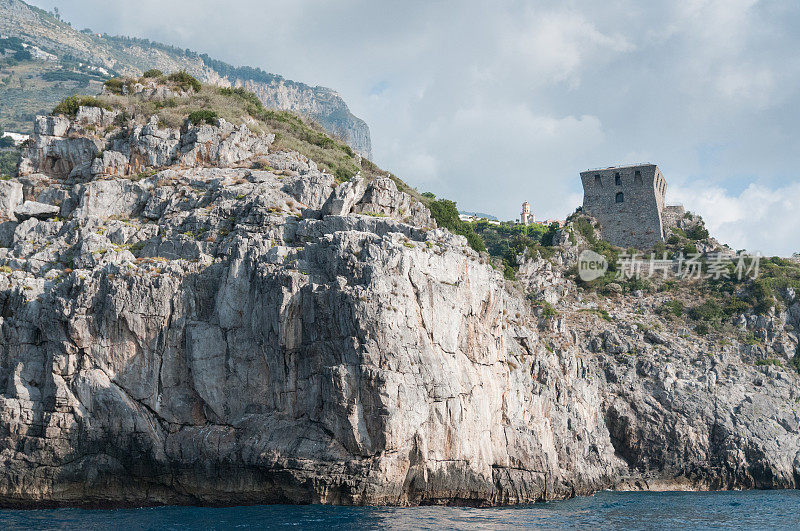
(525, 217)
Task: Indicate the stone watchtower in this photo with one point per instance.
(628, 201)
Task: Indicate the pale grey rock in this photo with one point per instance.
(95, 116)
(111, 163)
(382, 198)
(10, 198)
(222, 144)
(345, 196)
(153, 146)
(614, 288)
(60, 156)
(789, 294)
(51, 125)
(310, 191)
(154, 91)
(118, 198)
(34, 209)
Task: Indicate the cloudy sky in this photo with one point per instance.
(492, 103)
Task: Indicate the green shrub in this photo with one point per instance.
(115, 85)
(762, 295)
(734, 306)
(701, 328)
(475, 241)
(9, 160)
(769, 361)
(673, 307)
(136, 247)
(636, 284)
(709, 310)
(689, 249)
(698, 232)
(585, 228)
(343, 174)
(69, 105)
(185, 80)
(446, 215)
(601, 312)
(245, 95)
(203, 116)
(23, 55)
(66, 75)
(153, 72)
(547, 309)
(122, 118)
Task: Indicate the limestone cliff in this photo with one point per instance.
(193, 316)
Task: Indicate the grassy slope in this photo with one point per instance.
(238, 106)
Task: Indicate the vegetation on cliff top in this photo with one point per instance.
(445, 213)
(69, 106)
(206, 104)
(507, 241)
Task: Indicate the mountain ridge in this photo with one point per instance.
(130, 56)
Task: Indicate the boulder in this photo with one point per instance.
(344, 197)
(34, 209)
(96, 116)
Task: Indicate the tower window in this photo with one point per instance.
(617, 179)
(620, 197)
(637, 177)
(598, 180)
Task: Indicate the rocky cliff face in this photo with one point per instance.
(58, 45)
(179, 327)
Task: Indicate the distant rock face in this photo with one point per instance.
(132, 57)
(213, 333)
(319, 103)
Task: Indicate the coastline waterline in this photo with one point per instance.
(607, 510)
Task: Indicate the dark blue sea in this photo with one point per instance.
(605, 510)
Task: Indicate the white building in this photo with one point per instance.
(18, 138)
(469, 218)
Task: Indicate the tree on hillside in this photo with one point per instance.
(445, 213)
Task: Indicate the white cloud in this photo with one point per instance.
(555, 45)
(758, 219)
